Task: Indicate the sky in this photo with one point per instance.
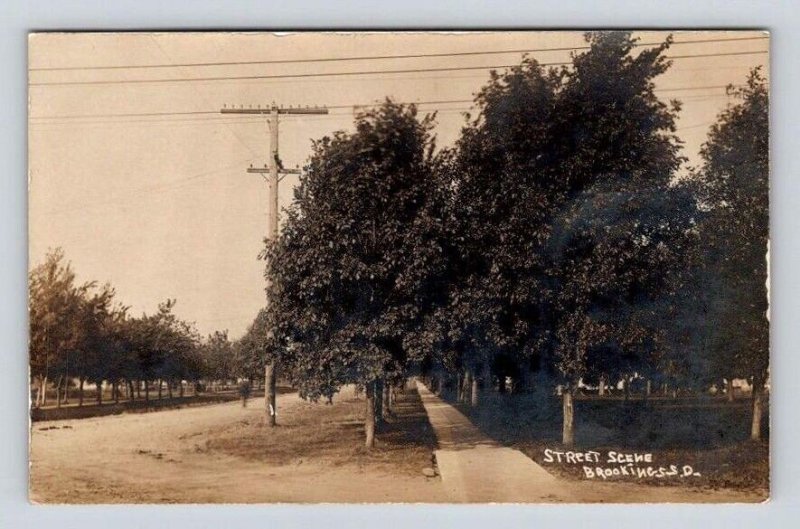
(144, 184)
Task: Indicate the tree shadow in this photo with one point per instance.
(653, 424)
(408, 423)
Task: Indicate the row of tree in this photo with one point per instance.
(557, 241)
(79, 333)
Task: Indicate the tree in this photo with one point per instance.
(162, 346)
(218, 357)
(55, 308)
(78, 331)
(563, 200)
(250, 351)
(619, 260)
(103, 349)
(735, 180)
(351, 268)
(503, 192)
(544, 139)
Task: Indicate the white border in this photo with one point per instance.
(18, 17)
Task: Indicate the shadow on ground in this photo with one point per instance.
(708, 433)
(689, 423)
(324, 434)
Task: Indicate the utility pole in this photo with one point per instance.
(272, 173)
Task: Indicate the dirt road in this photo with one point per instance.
(163, 457)
(170, 456)
(475, 468)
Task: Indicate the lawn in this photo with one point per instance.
(709, 434)
(334, 435)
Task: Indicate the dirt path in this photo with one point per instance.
(162, 457)
(475, 468)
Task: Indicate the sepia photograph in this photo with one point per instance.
(405, 267)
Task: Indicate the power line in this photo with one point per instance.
(220, 120)
(695, 126)
(216, 112)
(449, 76)
(133, 114)
(166, 186)
(367, 57)
(183, 182)
(330, 107)
(256, 121)
(230, 129)
(252, 121)
(345, 74)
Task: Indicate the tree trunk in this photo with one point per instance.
(729, 389)
(648, 388)
(115, 391)
(568, 422)
(99, 386)
(369, 415)
(387, 405)
(38, 398)
(601, 386)
(44, 391)
(40, 395)
(459, 387)
(379, 411)
(758, 409)
(159, 389)
(627, 386)
(169, 388)
(80, 392)
(501, 383)
(64, 390)
(473, 389)
(58, 391)
(147, 391)
(138, 389)
(131, 394)
(269, 393)
(525, 383)
(181, 389)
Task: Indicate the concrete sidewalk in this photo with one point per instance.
(475, 468)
